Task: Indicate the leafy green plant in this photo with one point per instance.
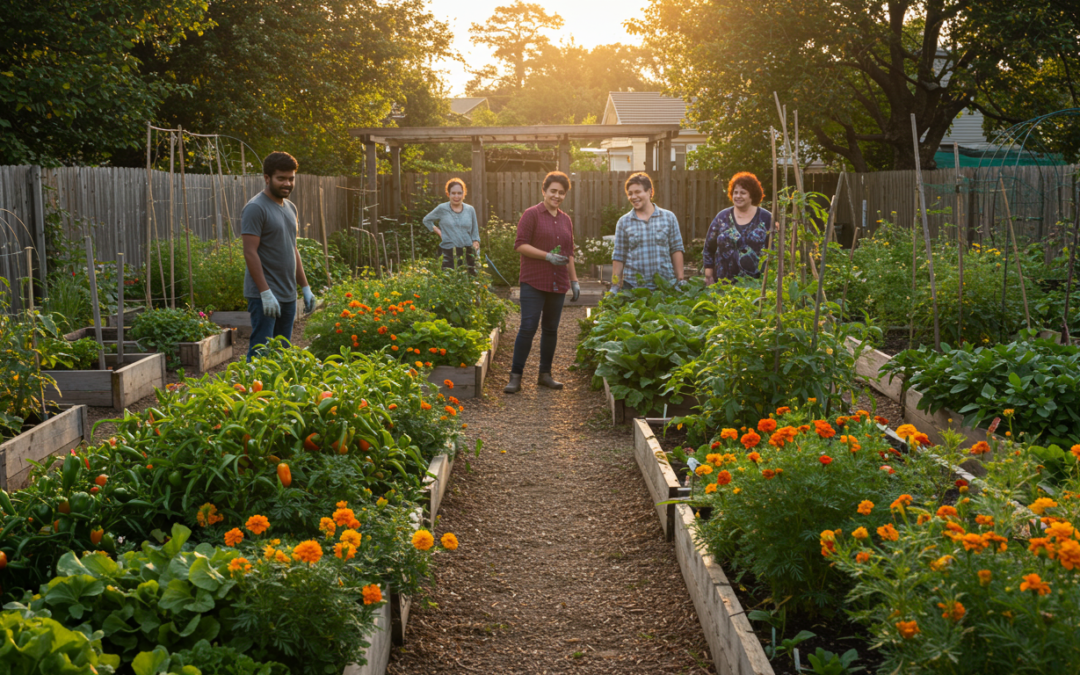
(498, 244)
(1037, 379)
(825, 662)
(162, 330)
(22, 383)
(39, 645)
(210, 660)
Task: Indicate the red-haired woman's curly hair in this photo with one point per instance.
(748, 182)
(456, 181)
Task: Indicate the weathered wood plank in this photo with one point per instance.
(868, 367)
(238, 320)
(623, 414)
(660, 478)
(378, 654)
(57, 434)
(117, 389)
(436, 481)
(206, 353)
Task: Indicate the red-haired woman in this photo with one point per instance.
(737, 234)
(455, 223)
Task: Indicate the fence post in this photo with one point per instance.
(39, 226)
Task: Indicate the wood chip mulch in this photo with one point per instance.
(562, 566)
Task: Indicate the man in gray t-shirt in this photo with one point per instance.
(269, 227)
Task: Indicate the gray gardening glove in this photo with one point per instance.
(271, 306)
(575, 288)
(556, 259)
(309, 299)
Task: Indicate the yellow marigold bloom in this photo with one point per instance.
(257, 524)
(342, 504)
(309, 551)
(344, 550)
(344, 516)
(1033, 582)
(860, 533)
(714, 458)
(1060, 530)
(887, 531)
(1008, 412)
(954, 611)
(234, 537)
(865, 507)
(941, 563)
(908, 629)
(710, 488)
(423, 540)
(281, 557)
(372, 594)
(239, 564)
(733, 434)
(906, 431)
(352, 537)
(984, 577)
(1069, 554)
(449, 542)
(327, 526)
(703, 470)
(736, 491)
(381, 501)
(861, 557)
(1041, 504)
(269, 552)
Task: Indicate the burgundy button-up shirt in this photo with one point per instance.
(539, 228)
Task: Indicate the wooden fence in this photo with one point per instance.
(110, 204)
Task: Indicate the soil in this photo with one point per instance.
(562, 566)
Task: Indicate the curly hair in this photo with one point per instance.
(748, 182)
(279, 161)
(640, 178)
(457, 181)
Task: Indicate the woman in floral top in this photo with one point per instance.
(737, 234)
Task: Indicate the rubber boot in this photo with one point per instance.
(514, 386)
(546, 380)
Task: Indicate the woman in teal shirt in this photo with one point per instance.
(455, 222)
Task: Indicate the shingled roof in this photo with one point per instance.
(644, 107)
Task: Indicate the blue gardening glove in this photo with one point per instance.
(575, 289)
(309, 299)
(556, 259)
(271, 306)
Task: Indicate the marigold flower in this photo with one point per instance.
(419, 364)
(980, 448)
(841, 421)
(984, 577)
(946, 511)
(348, 295)
(423, 540)
(1039, 506)
(208, 515)
(754, 457)
(825, 460)
(824, 429)
(941, 563)
(901, 501)
(372, 594)
(1060, 530)
(281, 557)
(449, 384)
(424, 405)
(733, 434)
(714, 458)
(908, 629)
(974, 542)
(710, 488)
(750, 440)
(352, 537)
(450, 410)
(811, 400)
(1033, 582)
(703, 470)
(309, 551)
(344, 516)
(723, 478)
(906, 431)
(887, 531)
(344, 550)
(327, 525)
(768, 474)
(449, 542)
(239, 564)
(920, 439)
(954, 611)
(1035, 544)
(257, 524)
(766, 425)
(1075, 450)
(862, 557)
(783, 410)
(234, 537)
(1069, 553)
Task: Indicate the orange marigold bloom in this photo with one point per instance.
(208, 515)
(974, 542)
(923, 519)
(348, 295)
(239, 564)
(954, 611)
(327, 526)
(1069, 553)
(881, 420)
(783, 410)
(945, 512)
(1035, 544)
(450, 410)
(309, 551)
(754, 457)
(852, 443)
(257, 524)
(423, 540)
(449, 384)
(887, 531)
(352, 537)
(344, 551)
(344, 516)
(750, 440)
(984, 577)
(908, 629)
(424, 405)
(234, 537)
(392, 406)
(1033, 582)
(281, 557)
(841, 421)
(860, 533)
(824, 429)
(729, 434)
(865, 507)
(941, 563)
(901, 501)
(906, 431)
(449, 542)
(710, 488)
(1075, 450)
(825, 460)
(714, 458)
(1060, 530)
(723, 478)
(768, 474)
(372, 594)
(988, 521)
(980, 448)
(766, 425)
(1041, 504)
(861, 557)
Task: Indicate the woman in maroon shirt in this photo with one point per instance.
(545, 240)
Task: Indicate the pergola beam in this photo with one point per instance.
(534, 134)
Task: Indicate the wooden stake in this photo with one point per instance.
(172, 227)
(92, 270)
(959, 242)
(772, 225)
(224, 199)
(33, 323)
(1065, 339)
(926, 233)
(821, 277)
(120, 309)
(1016, 253)
(325, 245)
(149, 210)
(187, 222)
(851, 251)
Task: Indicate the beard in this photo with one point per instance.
(280, 192)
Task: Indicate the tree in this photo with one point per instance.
(854, 69)
(71, 88)
(515, 32)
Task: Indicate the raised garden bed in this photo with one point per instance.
(435, 483)
(378, 654)
(129, 316)
(108, 336)
(660, 478)
(195, 357)
(623, 414)
(238, 320)
(591, 294)
(55, 435)
(136, 379)
(468, 381)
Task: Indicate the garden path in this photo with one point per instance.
(562, 566)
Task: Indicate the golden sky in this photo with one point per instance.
(588, 22)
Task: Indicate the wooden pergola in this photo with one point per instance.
(658, 145)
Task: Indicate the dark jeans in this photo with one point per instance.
(538, 309)
(265, 327)
(453, 257)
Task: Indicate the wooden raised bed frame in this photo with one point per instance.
(623, 414)
(55, 435)
(140, 375)
(659, 477)
(468, 381)
(194, 356)
(238, 320)
(378, 654)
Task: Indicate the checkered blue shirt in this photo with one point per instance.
(645, 247)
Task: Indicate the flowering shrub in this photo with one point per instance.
(982, 583)
(774, 488)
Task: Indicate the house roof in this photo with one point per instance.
(643, 107)
(464, 106)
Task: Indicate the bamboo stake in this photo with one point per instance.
(187, 223)
(926, 233)
(960, 244)
(1016, 253)
(149, 211)
(94, 301)
(120, 309)
(1072, 259)
(325, 246)
(821, 277)
(172, 226)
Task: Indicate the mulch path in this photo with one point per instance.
(562, 566)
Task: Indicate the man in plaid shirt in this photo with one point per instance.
(647, 240)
